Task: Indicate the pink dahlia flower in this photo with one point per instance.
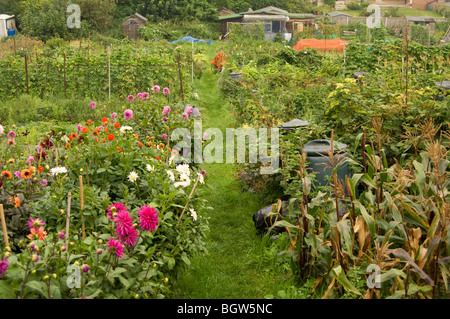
(166, 109)
(35, 223)
(4, 264)
(115, 208)
(128, 114)
(148, 218)
(114, 246)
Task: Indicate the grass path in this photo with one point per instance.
(235, 266)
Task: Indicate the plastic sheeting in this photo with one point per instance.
(321, 44)
(191, 39)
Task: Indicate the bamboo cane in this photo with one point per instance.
(69, 196)
(82, 205)
(40, 158)
(5, 232)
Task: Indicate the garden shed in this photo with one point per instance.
(7, 22)
(423, 21)
(276, 21)
(130, 27)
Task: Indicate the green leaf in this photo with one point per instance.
(38, 286)
(343, 280)
(420, 176)
(185, 258)
(124, 282)
(6, 291)
(367, 218)
(94, 294)
(170, 262)
(366, 179)
(402, 254)
(409, 210)
(391, 273)
(346, 235)
(116, 272)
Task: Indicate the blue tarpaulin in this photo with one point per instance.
(191, 39)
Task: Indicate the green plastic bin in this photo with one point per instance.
(318, 161)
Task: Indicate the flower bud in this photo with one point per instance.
(46, 277)
(85, 268)
(33, 271)
(54, 276)
(100, 241)
(166, 280)
(35, 258)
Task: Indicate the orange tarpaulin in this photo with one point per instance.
(321, 44)
(218, 60)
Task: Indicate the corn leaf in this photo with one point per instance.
(368, 219)
(343, 280)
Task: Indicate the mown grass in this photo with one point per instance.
(238, 264)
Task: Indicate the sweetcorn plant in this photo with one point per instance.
(396, 223)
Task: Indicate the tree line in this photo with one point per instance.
(45, 19)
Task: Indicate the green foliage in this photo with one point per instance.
(171, 30)
(86, 75)
(400, 121)
(394, 12)
(420, 34)
(353, 5)
(103, 155)
(45, 19)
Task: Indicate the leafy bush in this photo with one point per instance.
(352, 5)
(81, 204)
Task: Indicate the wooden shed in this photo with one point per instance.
(7, 22)
(275, 20)
(130, 27)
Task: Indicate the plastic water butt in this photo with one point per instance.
(320, 162)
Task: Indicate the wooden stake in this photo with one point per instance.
(5, 232)
(69, 196)
(56, 156)
(180, 77)
(40, 158)
(82, 205)
(26, 74)
(109, 72)
(65, 82)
